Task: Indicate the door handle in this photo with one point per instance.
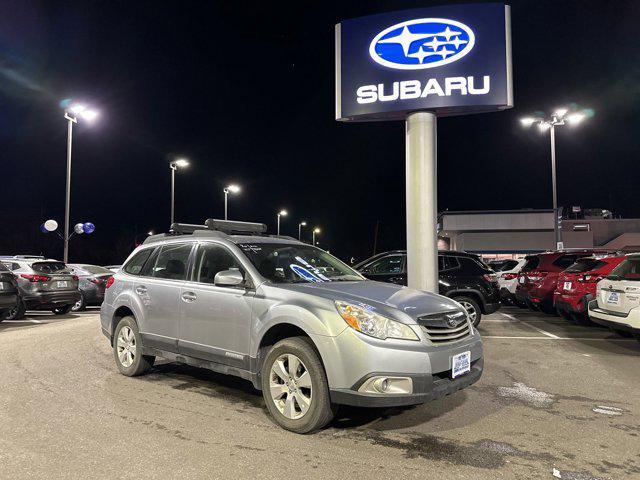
(141, 290)
(189, 297)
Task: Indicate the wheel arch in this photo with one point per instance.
(474, 294)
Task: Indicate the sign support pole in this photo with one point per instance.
(422, 201)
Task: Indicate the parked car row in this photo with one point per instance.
(37, 283)
(582, 286)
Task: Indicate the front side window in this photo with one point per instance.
(387, 265)
(172, 262)
(295, 263)
(212, 259)
(629, 269)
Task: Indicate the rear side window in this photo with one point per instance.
(565, 261)
(531, 263)
(629, 269)
(471, 266)
(134, 266)
(48, 267)
(172, 262)
(3, 268)
(446, 262)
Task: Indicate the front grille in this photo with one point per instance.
(446, 327)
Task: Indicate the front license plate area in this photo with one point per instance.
(460, 364)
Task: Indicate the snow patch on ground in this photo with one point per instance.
(528, 395)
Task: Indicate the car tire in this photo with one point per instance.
(472, 308)
(549, 310)
(17, 313)
(564, 314)
(80, 305)
(297, 400)
(127, 349)
(62, 310)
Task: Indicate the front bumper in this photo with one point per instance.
(351, 357)
(426, 388)
(629, 322)
(50, 300)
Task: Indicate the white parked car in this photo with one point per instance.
(507, 275)
(617, 302)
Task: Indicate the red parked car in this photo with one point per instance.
(539, 277)
(577, 285)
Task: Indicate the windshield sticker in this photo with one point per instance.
(250, 248)
(315, 270)
(304, 273)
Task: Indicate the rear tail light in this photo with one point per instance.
(75, 278)
(110, 282)
(35, 278)
(536, 276)
(509, 276)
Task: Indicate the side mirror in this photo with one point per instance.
(229, 278)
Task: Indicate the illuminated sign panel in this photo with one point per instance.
(450, 60)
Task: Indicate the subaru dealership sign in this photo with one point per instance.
(448, 60)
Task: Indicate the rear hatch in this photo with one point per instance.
(584, 271)
(620, 291)
(56, 276)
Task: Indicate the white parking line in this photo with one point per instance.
(560, 338)
(539, 330)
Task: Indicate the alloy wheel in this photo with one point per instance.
(290, 386)
(471, 310)
(126, 346)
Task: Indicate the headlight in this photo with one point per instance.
(372, 324)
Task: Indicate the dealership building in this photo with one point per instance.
(513, 233)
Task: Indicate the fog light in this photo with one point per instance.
(387, 385)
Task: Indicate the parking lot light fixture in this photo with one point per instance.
(281, 213)
(71, 115)
(229, 189)
(560, 117)
(316, 231)
(175, 165)
(527, 121)
(300, 225)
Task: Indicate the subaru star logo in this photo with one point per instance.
(422, 43)
(455, 319)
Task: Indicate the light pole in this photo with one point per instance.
(71, 114)
(232, 189)
(300, 225)
(560, 117)
(174, 165)
(281, 213)
(315, 232)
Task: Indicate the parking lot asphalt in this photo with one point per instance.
(555, 399)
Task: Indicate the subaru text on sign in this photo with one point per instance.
(450, 60)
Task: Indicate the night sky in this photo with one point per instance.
(245, 90)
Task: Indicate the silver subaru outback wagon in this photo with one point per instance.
(302, 326)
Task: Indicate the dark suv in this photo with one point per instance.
(538, 278)
(463, 277)
(42, 285)
(8, 292)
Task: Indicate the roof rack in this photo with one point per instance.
(212, 227)
(23, 257)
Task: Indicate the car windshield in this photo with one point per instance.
(629, 269)
(294, 263)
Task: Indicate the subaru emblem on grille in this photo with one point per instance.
(455, 319)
